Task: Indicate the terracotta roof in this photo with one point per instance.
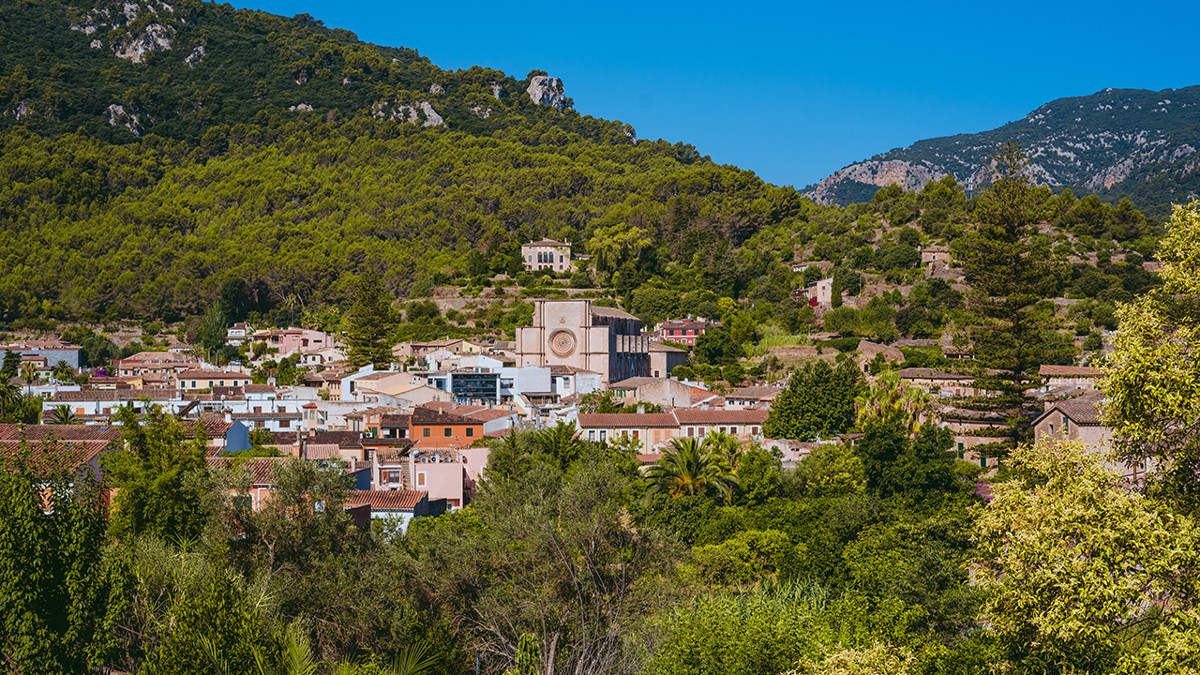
(649, 457)
(499, 434)
(261, 469)
(1069, 371)
(158, 357)
(488, 415)
(214, 427)
(211, 375)
(755, 393)
(259, 388)
(63, 432)
(45, 454)
(931, 374)
(424, 415)
(1081, 410)
(386, 500)
(547, 242)
(394, 420)
(697, 416)
(322, 450)
(658, 420)
(346, 439)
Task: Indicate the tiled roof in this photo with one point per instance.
(267, 416)
(660, 347)
(259, 388)
(211, 375)
(697, 416)
(322, 450)
(612, 312)
(635, 382)
(424, 415)
(394, 420)
(755, 393)
(214, 427)
(547, 242)
(1069, 371)
(568, 370)
(46, 454)
(664, 420)
(487, 415)
(346, 439)
(1082, 410)
(931, 374)
(386, 500)
(116, 395)
(63, 432)
(261, 469)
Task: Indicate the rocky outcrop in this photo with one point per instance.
(546, 90)
(481, 112)
(302, 107)
(112, 21)
(130, 118)
(880, 174)
(1105, 143)
(421, 113)
(436, 88)
(196, 56)
(497, 90)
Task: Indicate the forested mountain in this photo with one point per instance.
(152, 152)
(1115, 143)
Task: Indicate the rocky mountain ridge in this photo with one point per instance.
(1117, 142)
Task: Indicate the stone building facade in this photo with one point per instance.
(576, 333)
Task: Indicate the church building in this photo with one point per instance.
(579, 334)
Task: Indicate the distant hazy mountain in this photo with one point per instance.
(1117, 142)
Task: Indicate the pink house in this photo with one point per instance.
(291, 340)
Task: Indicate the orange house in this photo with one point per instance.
(435, 429)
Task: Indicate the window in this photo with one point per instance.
(591, 434)
(754, 431)
(1066, 424)
(656, 373)
(635, 434)
(420, 479)
(602, 435)
(470, 432)
(733, 430)
(193, 384)
(222, 383)
(960, 451)
(426, 430)
(691, 432)
(560, 258)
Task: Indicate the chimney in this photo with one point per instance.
(641, 409)
(228, 415)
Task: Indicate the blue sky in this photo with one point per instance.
(795, 91)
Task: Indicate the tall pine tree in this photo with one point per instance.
(368, 337)
(1010, 268)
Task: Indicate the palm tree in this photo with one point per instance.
(10, 394)
(726, 446)
(891, 400)
(62, 414)
(690, 468)
(63, 372)
(559, 443)
(29, 373)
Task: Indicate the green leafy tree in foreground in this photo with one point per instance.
(1082, 574)
(818, 401)
(156, 475)
(370, 323)
(1153, 380)
(58, 602)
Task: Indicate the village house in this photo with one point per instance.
(547, 254)
(664, 359)
(939, 382)
(1079, 419)
(818, 293)
(1080, 377)
(397, 506)
(751, 398)
(663, 391)
(238, 334)
(438, 429)
(195, 380)
(288, 341)
(684, 331)
(145, 364)
(52, 350)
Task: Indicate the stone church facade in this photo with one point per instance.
(575, 333)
